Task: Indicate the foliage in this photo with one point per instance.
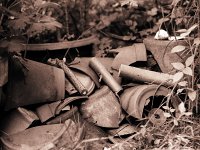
(33, 19)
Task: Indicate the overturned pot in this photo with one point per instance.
(31, 82)
(134, 99)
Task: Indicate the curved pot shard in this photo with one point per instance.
(134, 99)
(102, 108)
(32, 82)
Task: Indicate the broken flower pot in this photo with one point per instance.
(134, 99)
(45, 137)
(138, 74)
(103, 73)
(128, 55)
(48, 111)
(17, 120)
(34, 138)
(156, 117)
(31, 82)
(102, 108)
(161, 50)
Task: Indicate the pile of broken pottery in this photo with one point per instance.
(55, 103)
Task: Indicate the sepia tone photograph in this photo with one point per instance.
(99, 74)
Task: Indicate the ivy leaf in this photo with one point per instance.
(189, 60)
(178, 48)
(183, 83)
(178, 66)
(188, 71)
(177, 77)
(192, 95)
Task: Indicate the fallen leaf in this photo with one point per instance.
(178, 48)
(178, 65)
